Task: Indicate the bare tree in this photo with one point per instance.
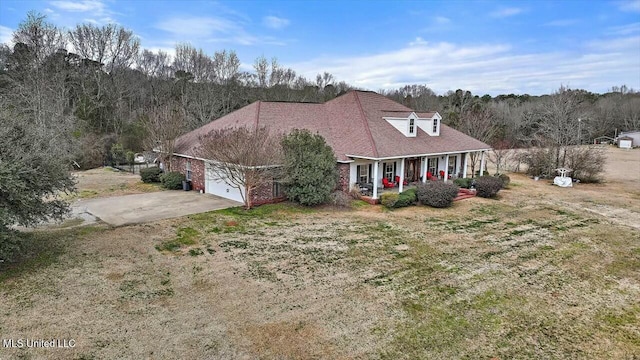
(245, 158)
(477, 123)
(501, 156)
(324, 80)
(163, 124)
(558, 135)
(110, 45)
(559, 122)
(106, 84)
(261, 67)
(35, 82)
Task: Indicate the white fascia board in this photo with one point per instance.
(191, 157)
(417, 155)
(411, 115)
(213, 161)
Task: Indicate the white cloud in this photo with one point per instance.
(629, 6)
(197, 27)
(562, 22)
(619, 44)
(97, 9)
(418, 41)
(489, 68)
(441, 20)
(275, 22)
(6, 34)
(79, 6)
(212, 29)
(627, 29)
(506, 12)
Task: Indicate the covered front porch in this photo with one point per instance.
(374, 176)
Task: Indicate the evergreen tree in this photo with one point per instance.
(310, 168)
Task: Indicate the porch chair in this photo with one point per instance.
(387, 184)
(404, 182)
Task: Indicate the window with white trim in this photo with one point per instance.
(432, 166)
(435, 126)
(412, 126)
(188, 174)
(388, 172)
(363, 176)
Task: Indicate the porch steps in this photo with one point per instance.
(464, 194)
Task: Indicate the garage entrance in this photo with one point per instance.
(219, 187)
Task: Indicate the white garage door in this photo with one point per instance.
(625, 144)
(219, 187)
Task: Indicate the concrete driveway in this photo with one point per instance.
(139, 208)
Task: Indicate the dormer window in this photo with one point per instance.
(409, 124)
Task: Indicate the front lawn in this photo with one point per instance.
(521, 277)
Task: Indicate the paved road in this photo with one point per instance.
(139, 208)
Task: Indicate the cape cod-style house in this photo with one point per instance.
(377, 142)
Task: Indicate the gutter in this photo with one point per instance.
(417, 155)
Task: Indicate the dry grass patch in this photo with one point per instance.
(526, 276)
(287, 340)
(102, 182)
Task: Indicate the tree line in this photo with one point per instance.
(108, 91)
(101, 89)
(570, 116)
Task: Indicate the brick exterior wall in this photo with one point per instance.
(343, 177)
(264, 195)
(179, 164)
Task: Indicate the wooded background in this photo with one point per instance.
(95, 95)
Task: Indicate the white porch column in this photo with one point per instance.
(464, 167)
(423, 169)
(375, 179)
(446, 168)
(482, 164)
(401, 175)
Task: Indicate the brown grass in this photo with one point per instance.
(102, 182)
(533, 274)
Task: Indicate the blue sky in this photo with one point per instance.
(492, 47)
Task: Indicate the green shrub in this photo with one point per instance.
(463, 182)
(10, 245)
(151, 174)
(505, 180)
(437, 194)
(406, 198)
(389, 199)
(130, 155)
(395, 200)
(309, 167)
(488, 186)
(412, 193)
(172, 180)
